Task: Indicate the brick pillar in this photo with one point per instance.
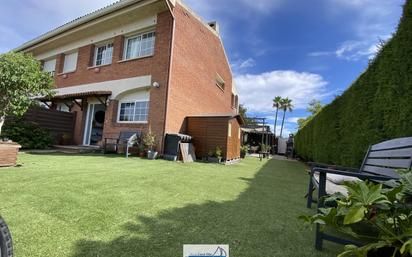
(118, 46)
(59, 63)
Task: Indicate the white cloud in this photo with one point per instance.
(241, 64)
(286, 130)
(319, 53)
(371, 21)
(293, 119)
(353, 50)
(257, 91)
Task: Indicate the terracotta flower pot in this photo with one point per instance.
(8, 153)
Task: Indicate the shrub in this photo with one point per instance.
(377, 107)
(217, 153)
(28, 134)
(149, 140)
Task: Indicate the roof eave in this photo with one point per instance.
(77, 22)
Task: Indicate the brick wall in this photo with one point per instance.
(198, 56)
(157, 66)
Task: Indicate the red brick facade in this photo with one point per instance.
(188, 89)
(198, 56)
(157, 66)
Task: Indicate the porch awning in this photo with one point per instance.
(79, 95)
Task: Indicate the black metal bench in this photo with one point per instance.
(125, 138)
(380, 164)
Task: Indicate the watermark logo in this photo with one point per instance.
(205, 250)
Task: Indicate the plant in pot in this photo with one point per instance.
(149, 140)
(65, 139)
(379, 218)
(141, 148)
(21, 79)
(265, 149)
(243, 151)
(215, 156)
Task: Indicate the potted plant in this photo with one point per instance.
(141, 149)
(65, 139)
(385, 213)
(215, 156)
(265, 149)
(243, 151)
(21, 78)
(149, 140)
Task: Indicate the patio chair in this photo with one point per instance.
(379, 165)
(125, 138)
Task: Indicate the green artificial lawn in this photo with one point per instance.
(98, 206)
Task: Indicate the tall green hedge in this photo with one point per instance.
(377, 107)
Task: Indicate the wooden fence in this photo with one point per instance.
(60, 124)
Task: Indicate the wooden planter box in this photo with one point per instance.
(8, 154)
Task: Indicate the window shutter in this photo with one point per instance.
(49, 66)
(70, 62)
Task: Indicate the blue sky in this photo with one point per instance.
(301, 49)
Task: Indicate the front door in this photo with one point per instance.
(93, 130)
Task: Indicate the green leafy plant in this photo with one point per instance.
(385, 216)
(29, 135)
(217, 153)
(265, 148)
(21, 78)
(149, 140)
(243, 150)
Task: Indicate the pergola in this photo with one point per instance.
(78, 99)
(258, 126)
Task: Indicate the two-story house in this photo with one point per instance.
(137, 64)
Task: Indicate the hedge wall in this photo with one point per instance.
(377, 107)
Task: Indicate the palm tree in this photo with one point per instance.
(286, 105)
(276, 104)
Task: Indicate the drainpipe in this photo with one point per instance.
(169, 73)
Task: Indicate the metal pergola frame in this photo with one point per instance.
(257, 123)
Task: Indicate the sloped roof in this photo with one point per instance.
(78, 21)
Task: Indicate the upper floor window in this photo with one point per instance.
(220, 82)
(134, 111)
(70, 62)
(103, 54)
(139, 46)
(50, 66)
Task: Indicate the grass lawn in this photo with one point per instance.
(98, 206)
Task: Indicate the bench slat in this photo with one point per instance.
(381, 171)
(392, 163)
(398, 153)
(393, 144)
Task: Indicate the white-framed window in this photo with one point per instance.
(139, 45)
(133, 111)
(103, 54)
(50, 66)
(70, 62)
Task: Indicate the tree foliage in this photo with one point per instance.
(243, 114)
(375, 108)
(314, 107)
(21, 78)
(285, 105)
